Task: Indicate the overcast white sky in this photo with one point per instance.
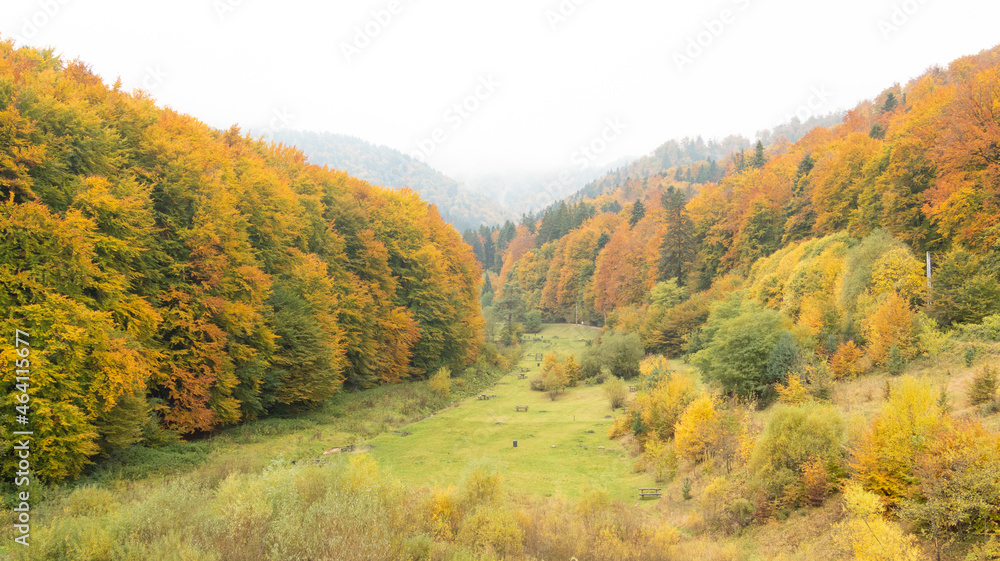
(547, 83)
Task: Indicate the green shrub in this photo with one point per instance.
(983, 388)
(616, 391)
(739, 343)
(793, 436)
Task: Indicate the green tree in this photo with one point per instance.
(965, 289)
(638, 213)
(738, 341)
(677, 250)
(759, 159)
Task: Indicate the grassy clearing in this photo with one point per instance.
(556, 453)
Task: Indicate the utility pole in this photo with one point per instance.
(929, 297)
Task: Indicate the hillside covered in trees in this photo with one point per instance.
(175, 278)
(381, 165)
(917, 164)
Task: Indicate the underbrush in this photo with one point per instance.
(344, 509)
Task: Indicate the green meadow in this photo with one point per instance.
(562, 445)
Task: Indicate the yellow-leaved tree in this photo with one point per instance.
(891, 325)
(698, 429)
(870, 536)
(883, 459)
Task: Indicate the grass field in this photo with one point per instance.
(559, 442)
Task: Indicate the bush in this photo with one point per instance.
(794, 392)
(697, 429)
(869, 534)
(738, 342)
(970, 355)
(884, 456)
(895, 364)
(440, 382)
(983, 388)
(621, 354)
(616, 391)
(816, 480)
(846, 362)
(659, 408)
(795, 435)
(492, 530)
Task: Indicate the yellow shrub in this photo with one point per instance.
(883, 458)
(440, 382)
(869, 535)
(661, 407)
(698, 429)
(492, 529)
(891, 324)
(442, 514)
(793, 392)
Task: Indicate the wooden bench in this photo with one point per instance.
(519, 408)
(525, 369)
(650, 492)
(633, 389)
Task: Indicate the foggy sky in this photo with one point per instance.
(475, 87)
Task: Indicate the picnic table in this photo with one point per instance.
(650, 492)
(483, 397)
(519, 408)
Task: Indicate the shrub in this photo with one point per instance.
(661, 457)
(616, 391)
(983, 388)
(846, 362)
(895, 364)
(658, 409)
(440, 382)
(970, 355)
(738, 342)
(883, 458)
(554, 381)
(793, 436)
(891, 324)
(697, 429)
(537, 383)
(955, 490)
(621, 354)
(868, 534)
(816, 480)
(792, 393)
(492, 530)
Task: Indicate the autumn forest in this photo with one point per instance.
(792, 340)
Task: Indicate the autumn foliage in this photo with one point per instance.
(185, 278)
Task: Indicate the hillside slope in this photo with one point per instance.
(381, 165)
(174, 278)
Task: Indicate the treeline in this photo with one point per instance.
(919, 163)
(384, 166)
(175, 278)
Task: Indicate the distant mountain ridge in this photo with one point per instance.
(381, 165)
